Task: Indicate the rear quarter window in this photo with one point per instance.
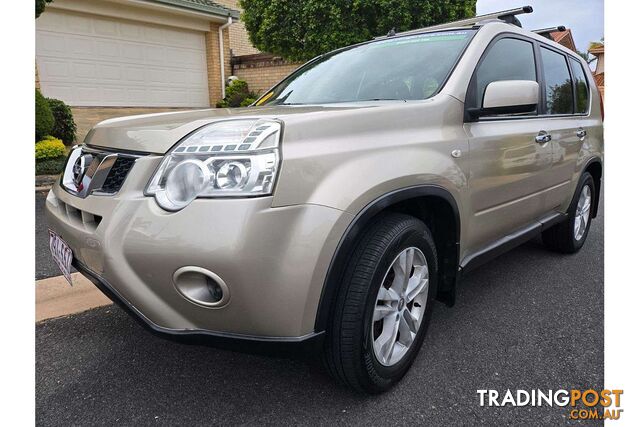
(581, 87)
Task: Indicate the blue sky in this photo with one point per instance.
(584, 17)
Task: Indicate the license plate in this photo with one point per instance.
(62, 254)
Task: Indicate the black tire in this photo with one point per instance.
(561, 237)
(349, 354)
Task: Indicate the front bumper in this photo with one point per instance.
(273, 260)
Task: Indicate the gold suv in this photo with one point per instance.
(353, 194)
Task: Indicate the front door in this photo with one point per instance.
(508, 177)
(510, 156)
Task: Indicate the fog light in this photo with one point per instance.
(201, 286)
(215, 291)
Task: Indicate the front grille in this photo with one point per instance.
(117, 174)
(91, 170)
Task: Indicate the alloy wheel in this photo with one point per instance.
(400, 306)
(583, 211)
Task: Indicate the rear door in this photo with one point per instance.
(560, 122)
(508, 168)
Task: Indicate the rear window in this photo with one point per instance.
(401, 68)
(582, 87)
(558, 87)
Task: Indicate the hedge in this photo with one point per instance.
(44, 117)
(237, 94)
(64, 126)
(49, 148)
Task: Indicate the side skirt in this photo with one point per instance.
(509, 242)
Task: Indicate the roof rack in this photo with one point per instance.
(508, 16)
(546, 32)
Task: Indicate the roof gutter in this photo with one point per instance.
(168, 6)
(221, 49)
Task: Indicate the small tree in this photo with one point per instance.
(64, 126)
(301, 30)
(44, 117)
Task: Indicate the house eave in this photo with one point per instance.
(184, 6)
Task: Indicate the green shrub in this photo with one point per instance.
(44, 117)
(49, 148)
(247, 101)
(236, 93)
(50, 166)
(64, 127)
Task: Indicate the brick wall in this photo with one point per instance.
(213, 61)
(240, 44)
(261, 71)
(37, 78)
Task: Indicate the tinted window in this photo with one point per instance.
(582, 88)
(559, 92)
(507, 59)
(401, 68)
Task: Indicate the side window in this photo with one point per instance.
(507, 59)
(582, 87)
(559, 90)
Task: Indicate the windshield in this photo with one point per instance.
(402, 68)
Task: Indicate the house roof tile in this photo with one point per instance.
(565, 38)
(204, 6)
(599, 79)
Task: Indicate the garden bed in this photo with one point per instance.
(50, 166)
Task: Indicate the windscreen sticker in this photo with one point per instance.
(424, 38)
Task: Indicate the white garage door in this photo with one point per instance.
(94, 61)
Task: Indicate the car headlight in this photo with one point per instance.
(231, 158)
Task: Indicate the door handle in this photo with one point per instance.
(543, 137)
(581, 133)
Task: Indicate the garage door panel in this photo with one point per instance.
(55, 69)
(109, 72)
(86, 71)
(94, 61)
(52, 43)
(60, 91)
(107, 49)
(178, 77)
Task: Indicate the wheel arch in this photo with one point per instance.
(594, 167)
(432, 204)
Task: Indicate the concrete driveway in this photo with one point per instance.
(530, 319)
